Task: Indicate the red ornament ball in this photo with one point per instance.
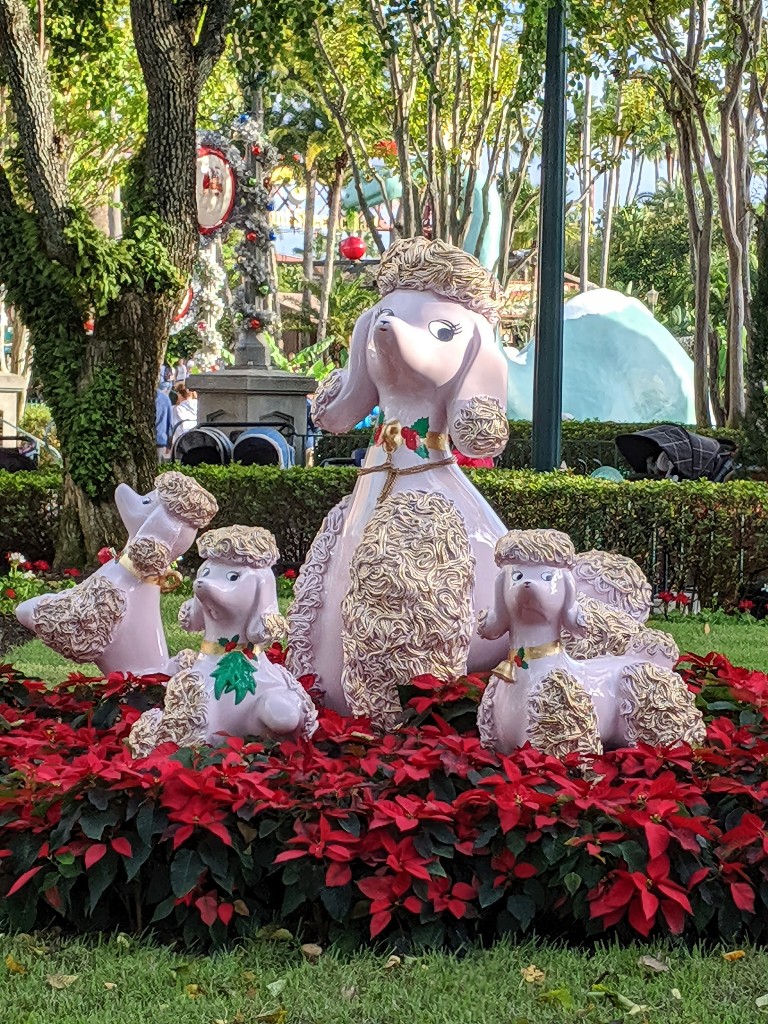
(251, 236)
(256, 150)
(254, 324)
(352, 248)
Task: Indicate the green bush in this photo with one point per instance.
(711, 537)
(588, 441)
(29, 512)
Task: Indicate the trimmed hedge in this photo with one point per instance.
(585, 441)
(701, 536)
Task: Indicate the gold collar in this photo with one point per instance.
(169, 581)
(519, 659)
(214, 647)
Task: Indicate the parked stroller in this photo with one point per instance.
(669, 452)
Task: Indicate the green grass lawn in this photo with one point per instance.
(744, 645)
(125, 981)
(122, 981)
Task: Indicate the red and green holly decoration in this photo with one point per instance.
(413, 436)
(235, 672)
(519, 659)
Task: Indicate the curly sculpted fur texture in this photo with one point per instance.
(243, 545)
(409, 607)
(437, 266)
(186, 499)
(81, 623)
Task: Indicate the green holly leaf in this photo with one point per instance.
(234, 674)
(422, 451)
(421, 426)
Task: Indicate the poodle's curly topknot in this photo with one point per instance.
(535, 547)
(244, 545)
(186, 499)
(439, 267)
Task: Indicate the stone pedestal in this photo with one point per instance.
(12, 386)
(254, 395)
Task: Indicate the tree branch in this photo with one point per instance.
(212, 39)
(40, 142)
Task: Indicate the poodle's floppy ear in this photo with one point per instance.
(347, 396)
(264, 621)
(494, 622)
(574, 619)
(191, 616)
(477, 407)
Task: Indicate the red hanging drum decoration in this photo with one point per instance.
(352, 248)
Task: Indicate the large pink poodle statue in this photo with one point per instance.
(230, 687)
(392, 581)
(113, 617)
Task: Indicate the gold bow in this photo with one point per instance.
(168, 581)
(391, 436)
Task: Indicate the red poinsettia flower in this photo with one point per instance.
(41, 566)
(746, 606)
(666, 596)
(72, 573)
(641, 896)
(682, 599)
(456, 898)
(290, 574)
(386, 892)
(10, 593)
(105, 555)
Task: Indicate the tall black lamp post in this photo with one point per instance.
(548, 368)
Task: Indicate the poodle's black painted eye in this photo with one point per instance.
(147, 501)
(443, 330)
(517, 576)
(233, 576)
(547, 576)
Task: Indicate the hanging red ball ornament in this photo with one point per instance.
(352, 248)
(256, 150)
(251, 236)
(255, 324)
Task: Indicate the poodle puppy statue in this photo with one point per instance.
(230, 686)
(113, 617)
(541, 695)
(391, 583)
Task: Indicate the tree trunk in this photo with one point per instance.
(586, 175)
(611, 192)
(334, 208)
(308, 261)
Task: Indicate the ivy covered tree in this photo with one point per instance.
(60, 271)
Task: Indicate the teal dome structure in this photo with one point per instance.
(619, 365)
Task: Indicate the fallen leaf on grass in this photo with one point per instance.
(677, 994)
(193, 991)
(274, 1017)
(394, 961)
(276, 987)
(14, 966)
(61, 980)
(653, 964)
(736, 954)
(707, 628)
(109, 985)
(762, 1002)
(533, 976)
(349, 994)
(558, 995)
(311, 952)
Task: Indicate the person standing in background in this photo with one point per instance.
(180, 374)
(163, 424)
(184, 415)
